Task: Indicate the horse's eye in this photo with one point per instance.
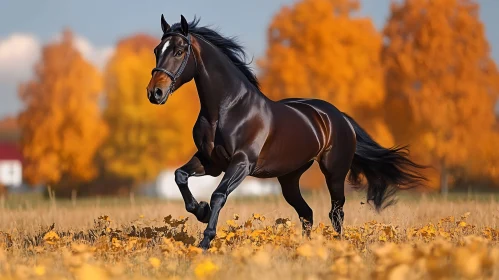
(178, 53)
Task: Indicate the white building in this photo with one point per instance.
(10, 165)
(202, 187)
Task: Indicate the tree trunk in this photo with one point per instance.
(444, 180)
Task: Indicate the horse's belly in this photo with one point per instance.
(290, 151)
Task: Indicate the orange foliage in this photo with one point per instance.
(61, 123)
(441, 81)
(486, 161)
(144, 138)
(318, 50)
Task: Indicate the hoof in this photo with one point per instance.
(205, 244)
(203, 212)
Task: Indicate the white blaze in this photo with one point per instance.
(165, 46)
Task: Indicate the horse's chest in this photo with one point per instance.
(214, 148)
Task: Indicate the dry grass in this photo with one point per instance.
(131, 240)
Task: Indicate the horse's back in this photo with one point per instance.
(317, 104)
(330, 115)
(332, 121)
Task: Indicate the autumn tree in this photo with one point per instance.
(319, 49)
(61, 123)
(144, 138)
(442, 83)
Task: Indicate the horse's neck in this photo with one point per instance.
(217, 83)
(210, 96)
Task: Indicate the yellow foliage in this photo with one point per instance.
(305, 250)
(449, 248)
(91, 272)
(61, 123)
(51, 237)
(144, 138)
(40, 270)
(155, 262)
(205, 268)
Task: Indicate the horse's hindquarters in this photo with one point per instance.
(297, 137)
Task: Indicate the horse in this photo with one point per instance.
(241, 132)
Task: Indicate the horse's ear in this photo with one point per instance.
(164, 25)
(184, 25)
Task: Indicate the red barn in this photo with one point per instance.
(10, 165)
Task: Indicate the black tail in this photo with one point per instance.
(386, 170)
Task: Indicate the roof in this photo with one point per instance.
(10, 151)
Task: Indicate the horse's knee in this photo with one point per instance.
(181, 177)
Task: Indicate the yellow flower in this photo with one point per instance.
(51, 237)
(205, 268)
(155, 262)
(40, 270)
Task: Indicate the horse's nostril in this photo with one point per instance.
(158, 93)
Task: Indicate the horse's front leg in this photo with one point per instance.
(238, 169)
(195, 167)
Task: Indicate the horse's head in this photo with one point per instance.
(175, 62)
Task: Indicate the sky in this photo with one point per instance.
(98, 24)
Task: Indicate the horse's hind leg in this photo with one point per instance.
(291, 192)
(335, 165)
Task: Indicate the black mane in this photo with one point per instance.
(229, 46)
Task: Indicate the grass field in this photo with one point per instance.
(421, 237)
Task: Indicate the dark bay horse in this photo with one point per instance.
(241, 132)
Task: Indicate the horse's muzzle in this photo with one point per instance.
(157, 96)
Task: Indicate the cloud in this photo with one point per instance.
(98, 56)
(18, 53)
